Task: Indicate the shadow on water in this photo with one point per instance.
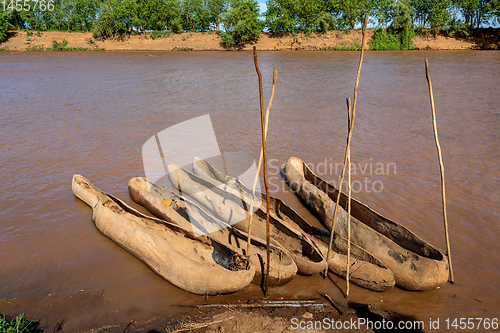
(380, 324)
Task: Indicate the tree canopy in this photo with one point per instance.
(241, 19)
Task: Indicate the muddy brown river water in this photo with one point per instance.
(90, 113)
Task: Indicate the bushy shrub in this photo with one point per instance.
(383, 40)
(458, 28)
(242, 23)
(4, 25)
(227, 38)
(325, 22)
(59, 46)
(104, 26)
(159, 34)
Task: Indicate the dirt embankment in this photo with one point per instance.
(21, 41)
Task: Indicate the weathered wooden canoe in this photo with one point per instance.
(230, 208)
(366, 270)
(201, 266)
(416, 264)
(167, 205)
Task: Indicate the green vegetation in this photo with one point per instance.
(16, 325)
(384, 40)
(242, 23)
(239, 21)
(59, 46)
(35, 48)
(63, 46)
(344, 46)
(182, 49)
(160, 34)
(4, 25)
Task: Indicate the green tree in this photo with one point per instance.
(352, 12)
(161, 15)
(126, 14)
(475, 12)
(242, 23)
(5, 24)
(420, 12)
(382, 12)
(439, 13)
(215, 10)
(307, 13)
(324, 22)
(279, 15)
(195, 16)
(104, 26)
(402, 23)
(494, 10)
(435, 14)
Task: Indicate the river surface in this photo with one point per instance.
(90, 113)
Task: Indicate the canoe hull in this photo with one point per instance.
(416, 264)
(228, 207)
(367, 271)
(199, 267)
(153, 197)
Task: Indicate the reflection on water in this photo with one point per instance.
(91, 113)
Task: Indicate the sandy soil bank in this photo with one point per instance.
(19, 41)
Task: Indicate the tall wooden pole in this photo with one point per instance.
(348, 265)
(351, 125)
(263, 126)
(259, 166)
(438, 147)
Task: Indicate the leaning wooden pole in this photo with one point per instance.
(438, 147)
(351, 125)
(348, 265)
(259, 166)
(263, 127)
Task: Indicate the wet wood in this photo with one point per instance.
(265, 304)
(441, 166)
(367, 271)
(259, 166)
(416, 264)
(166, 205)
(332, 302)
(351, 117)
(266, 278)
(200, 265)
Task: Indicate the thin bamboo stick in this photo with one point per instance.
(348, 221)
(275, 79)
(438, 147)
(266, 279)
(351, 125)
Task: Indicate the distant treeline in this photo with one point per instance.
(241, 18)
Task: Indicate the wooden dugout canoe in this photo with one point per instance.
(230, 208)
(366, 270)
(167, 205)
(199, 265)
(416, 264)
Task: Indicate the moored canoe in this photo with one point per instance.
(165, 204)
(201, 266)
(365, 270)
(416, 264)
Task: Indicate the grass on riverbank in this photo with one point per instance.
(18, 324)
(63, 46)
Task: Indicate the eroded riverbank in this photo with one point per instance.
(199, 41)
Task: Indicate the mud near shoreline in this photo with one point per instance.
(210, 41)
